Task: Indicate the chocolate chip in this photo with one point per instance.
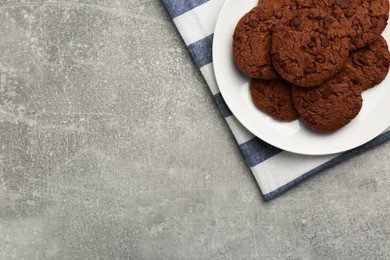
(263, 28)
(312, 44)
(278, 14)
(253, 23)
(355, 22)
(369, 42)
(329, 20)
(310, 15)
(359, 59)
(309, 70)
(327, 92)
(374, 21)
(324, 42)
(349, 13)
(320, 59)
(359, 32)
(342, 3)
(356, 80)
(296, 21)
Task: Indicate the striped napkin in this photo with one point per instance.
(275, 170)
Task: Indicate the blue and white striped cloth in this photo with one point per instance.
(275, 170)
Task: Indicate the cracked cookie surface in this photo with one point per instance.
(252, 40)
(364, 19)
(274, 98)
(330, 106)
(369, 66)
(310, 49)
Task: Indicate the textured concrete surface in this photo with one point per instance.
(111, 147)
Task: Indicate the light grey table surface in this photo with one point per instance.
(111, 147)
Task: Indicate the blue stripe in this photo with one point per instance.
(222, 105)
(256, 151)
(179, 7)
(201, 51)
(344, 156)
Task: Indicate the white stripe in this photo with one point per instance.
(241, 134)
(208, 73)
(285, 167)
(200, 22)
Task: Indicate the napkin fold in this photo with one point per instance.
(275, 170)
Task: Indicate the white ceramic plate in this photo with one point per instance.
(294, 136)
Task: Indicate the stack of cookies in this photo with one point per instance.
(312, 59)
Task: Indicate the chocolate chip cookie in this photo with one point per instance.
(252, 40)
(330, 106)
(369, 66)
(311, 49)
(274, 98)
